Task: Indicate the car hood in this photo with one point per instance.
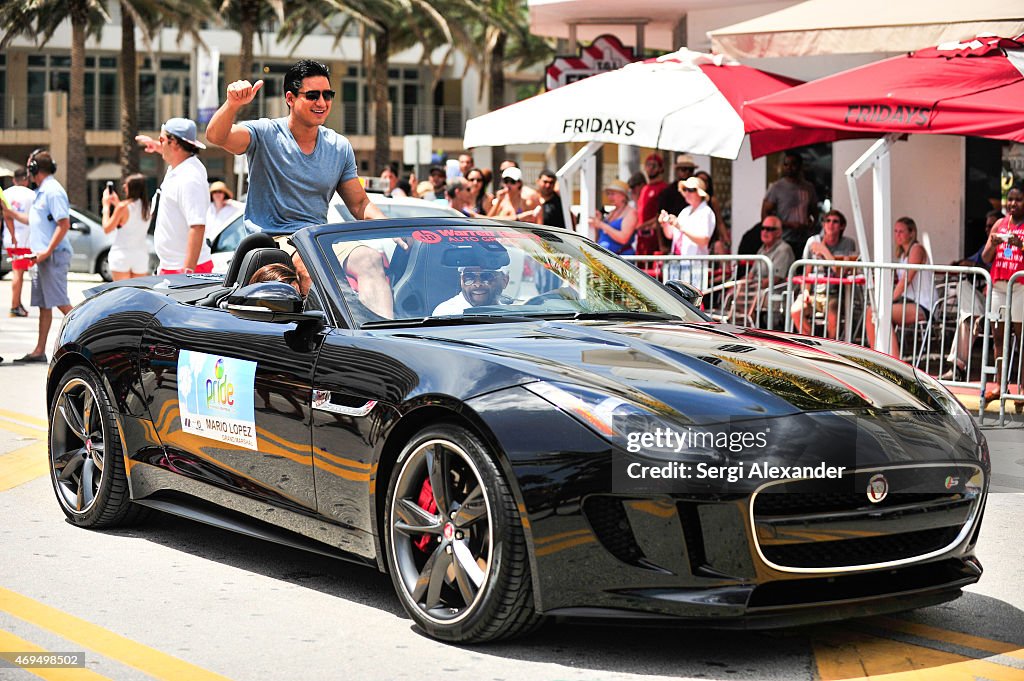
(705, 371)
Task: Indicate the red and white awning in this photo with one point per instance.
(974, 88)
(683, 101)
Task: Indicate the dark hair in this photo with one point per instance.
(41, 162)
(637, 179)
(20, 172)
(548, 172)
(709, 184)
(187, 147)
(137, 191)
(796, 155)
(454, 185)
(302, 69)
(275, 272)
(835, 213)
(995, 213)
(404, 186)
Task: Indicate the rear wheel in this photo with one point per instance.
(86, 455)
(455, 545)
(103, 266)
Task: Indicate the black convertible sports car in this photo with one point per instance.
(514, 423)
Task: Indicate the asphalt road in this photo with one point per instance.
(173, 599)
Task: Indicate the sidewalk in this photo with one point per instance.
(18, 334)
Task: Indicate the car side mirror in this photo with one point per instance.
(271, 301)
(686, 291)
(81, 227)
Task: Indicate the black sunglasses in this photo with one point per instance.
(483, 277)
(314, 95)
(770, 229)
(508, 180)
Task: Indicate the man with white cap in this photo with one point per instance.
(182, 201)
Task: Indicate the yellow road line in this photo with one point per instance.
(156, 663)
(23, 418)
(23, 465)
(9, 643)
(954, 637)
(22, 429)
(851, 655)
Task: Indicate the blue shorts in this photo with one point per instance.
(50, 283)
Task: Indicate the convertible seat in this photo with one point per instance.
(248, 243)
(257, 258)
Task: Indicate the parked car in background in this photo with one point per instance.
(90, 245)
(223, 246)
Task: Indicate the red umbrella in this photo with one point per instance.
(974, 88)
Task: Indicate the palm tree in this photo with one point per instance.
(246, 16)
(148, 16)
(496, 37)
(389, 26)
(38, 19)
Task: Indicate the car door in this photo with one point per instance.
(230, 399)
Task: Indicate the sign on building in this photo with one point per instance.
(606, 53)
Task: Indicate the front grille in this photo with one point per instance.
(812, 525)
(782, 503)
(881, 549)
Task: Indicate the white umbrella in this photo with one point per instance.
(683, 101)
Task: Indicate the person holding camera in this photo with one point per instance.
(129, 220)
(49, 220)
(1005, 250)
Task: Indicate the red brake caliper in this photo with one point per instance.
(427, 503)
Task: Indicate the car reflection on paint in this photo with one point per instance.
(508, 446)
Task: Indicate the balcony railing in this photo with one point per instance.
(23, 113)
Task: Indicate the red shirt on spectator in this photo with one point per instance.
(1008, 259)
(647, 203)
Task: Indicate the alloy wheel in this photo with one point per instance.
(77, 446)
(441, 532)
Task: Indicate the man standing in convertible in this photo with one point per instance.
(295, 166)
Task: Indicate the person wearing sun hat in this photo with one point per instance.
(616, 230)
(690, 231)
(223, 209)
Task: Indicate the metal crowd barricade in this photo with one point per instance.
(1010, 351)
(729, 295)
(837, 299)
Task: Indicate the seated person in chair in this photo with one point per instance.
(756, 279)
(480, 286)
(830, 244)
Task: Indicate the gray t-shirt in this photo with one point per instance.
(289, 189)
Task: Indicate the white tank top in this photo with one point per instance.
(132, 234)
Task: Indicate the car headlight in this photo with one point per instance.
(653, 430)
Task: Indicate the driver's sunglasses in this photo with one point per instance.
(314, 95)
(482, 277)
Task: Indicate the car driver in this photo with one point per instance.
(480, 286)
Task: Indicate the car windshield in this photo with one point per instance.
(339, 212)
(485, 273)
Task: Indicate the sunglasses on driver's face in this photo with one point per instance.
(482, 277)
(314, 95)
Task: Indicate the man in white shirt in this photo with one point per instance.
(183, 200)
(20, 197)
(480, 287)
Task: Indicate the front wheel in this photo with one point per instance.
(86, 455)
(455, 545)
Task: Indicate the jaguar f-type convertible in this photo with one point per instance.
(516, 424)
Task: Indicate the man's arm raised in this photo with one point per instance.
(222, 129)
